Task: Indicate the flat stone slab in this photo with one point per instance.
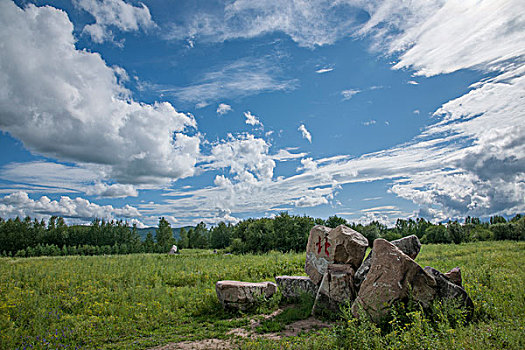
(294, 286)
(243, 295)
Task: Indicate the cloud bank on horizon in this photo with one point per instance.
(79, 112)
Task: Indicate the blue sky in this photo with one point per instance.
(222, 110)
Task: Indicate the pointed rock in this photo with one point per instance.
(393, 276)
(454, 276)
(409, 245)
(446, 290)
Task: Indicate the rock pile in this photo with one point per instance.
(338, 273)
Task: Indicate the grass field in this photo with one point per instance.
(145, 300)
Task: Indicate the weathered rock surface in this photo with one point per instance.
(294, 286)
(338, 285)
(454, 276)
(409, 245)
(393, 276)
(340, 245)
(447, 290)
(243, 295)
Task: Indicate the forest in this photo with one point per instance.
(284, 233)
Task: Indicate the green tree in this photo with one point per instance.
(183, 239)
(334, 221)
(164, 235)
(220, 236)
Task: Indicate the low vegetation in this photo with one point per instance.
(143, 300)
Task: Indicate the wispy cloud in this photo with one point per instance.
(114, 13)
(324, 70)
(348, 94)
(244, 77)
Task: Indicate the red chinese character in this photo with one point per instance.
(326, 245)
(318, 244)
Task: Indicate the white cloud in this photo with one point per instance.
(431, 39)
(19, 204)
(252, 119)
(412, 82)
(416, 111)
(224, 108)
(308, 23)
(246, 156)
(348, 94)
(369, 122)
(114, 13)
(306, 134)
(49, 175)
(244, 77)
(112, 191)
(85, 115)
(324, 70)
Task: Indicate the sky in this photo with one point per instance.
(224, 110)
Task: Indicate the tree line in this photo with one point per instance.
(284, 232)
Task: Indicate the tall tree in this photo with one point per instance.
(164, 235)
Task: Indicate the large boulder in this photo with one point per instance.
(340, 245)
(294, 286)
(338, 286)
(449, 291)
(409, 245)
(393, 277)
(243, 295)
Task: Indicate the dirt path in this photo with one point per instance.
(290, 330)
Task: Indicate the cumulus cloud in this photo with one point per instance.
(246, 156)
(223, 109)
(19, 204)
(112, 191)
(114, 13)
(85, 115)
(252, 119)
(306, 134)
(244, 77)
(348, 94)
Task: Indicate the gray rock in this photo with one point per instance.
(447, 290)
(338, 286)
(173, 250)
(340, 245)
(393, 276)
(294, 286)
(409, 245)
(454, 276)
(243, 295)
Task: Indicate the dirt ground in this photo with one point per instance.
(290, 330)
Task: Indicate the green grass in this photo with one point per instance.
(140, 301)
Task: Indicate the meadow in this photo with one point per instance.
(144, 300)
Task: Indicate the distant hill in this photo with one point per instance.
(143, 232)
